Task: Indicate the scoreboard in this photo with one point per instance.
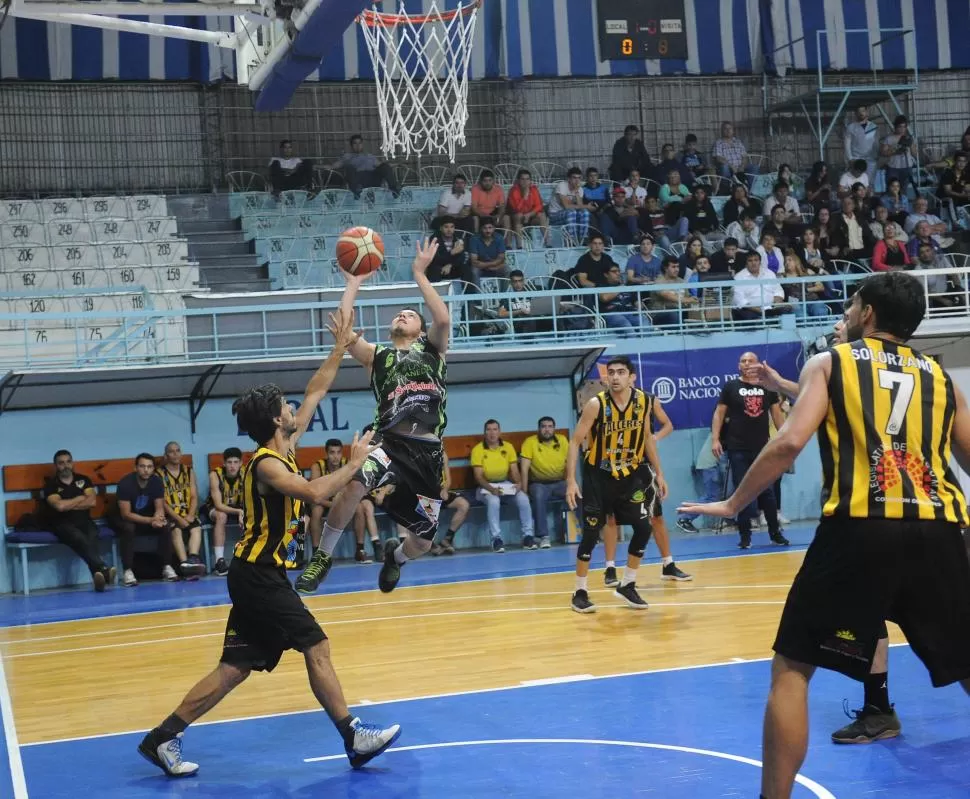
(639, 29)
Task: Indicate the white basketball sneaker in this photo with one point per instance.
(369, 741)
(167, 755)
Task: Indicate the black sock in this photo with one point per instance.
(450, 535)
(345, 730)
(877, 691)
(173, 725)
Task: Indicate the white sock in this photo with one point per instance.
(220, 552)
(329, 539)
(629, 576)
(399, 557)
(611, 564)
(581, 583)
(667, 560)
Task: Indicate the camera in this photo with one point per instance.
(904, 143)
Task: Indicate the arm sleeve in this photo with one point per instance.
(477, 457)
(509, 451)
(528, 448)
(49, 489)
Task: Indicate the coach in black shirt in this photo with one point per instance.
(747, 406)
(69, 498)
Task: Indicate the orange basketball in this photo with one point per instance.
(360, 251)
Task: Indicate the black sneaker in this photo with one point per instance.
(378, 549)
(315, 573)
(609, 576)
(581, 603)
(745, 542)
(221, 569)
(780, 540)
(391, 570)
(529, 542)
(671, 572)
(628, 593)
(871, 724)
(687, 526)
(192, 569)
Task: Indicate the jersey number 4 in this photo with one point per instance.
(904, 383)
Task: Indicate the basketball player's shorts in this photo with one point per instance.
(267, 617)
(859, 572)
(403, 477)
(627, 499)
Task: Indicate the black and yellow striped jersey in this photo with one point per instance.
(271, 519)
(885, 440)
(178, 488)
(324, 467)
(231, 490)
(617, 439)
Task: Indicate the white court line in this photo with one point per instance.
(819, 791)
(372, 619)
(10, 735)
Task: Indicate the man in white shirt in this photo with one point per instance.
(753, 300)
(856, 173)
(457, 202)
(861, 142)
(287, 172)
(921, 213)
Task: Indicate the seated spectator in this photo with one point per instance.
(856, 173)
(889, 253)
(827, 231)
(954, 188)
(702, 268)
(673, 192)
(224, 504)
(805, 298)
(543, 467)
(921, 235)
(592, 266)
(451, 261)
(777, 226)
(896, 202)
(811, 255)
(620, 221)
(519, 309)
(525, 206)
(691, 158)
(141, 512)
(818, 189)
(488, 201)
(746, 232)
(456, 203)
(753, 300)
(667, 306)
(781, 195)
(68, 499)
(771, 257)
(568, 209)
(899, 147)
(628, 154)
(487, 252)
(693, 251)
(496, 470)
(726, 261)
(653, 222)
(739, 203)
(668, 163)
(364, 171)
(698, 217)
(852, 233)
(618, 308)
(937, 227)
(636, 195)
(730, 157)
(937, 286)
(287, 172)
(596, 194)
(644, 265)
(878, 225)
(863, 203)
(182, 510)
(455, 502)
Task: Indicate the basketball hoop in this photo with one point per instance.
(421, 67)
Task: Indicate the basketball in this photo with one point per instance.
(360, 251)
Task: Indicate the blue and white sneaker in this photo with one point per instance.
(167, 755)
(370, 740)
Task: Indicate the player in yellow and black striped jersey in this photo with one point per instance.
(224, 504)
(182, 509)
(888, 420)
(267, 616)
(621, 476)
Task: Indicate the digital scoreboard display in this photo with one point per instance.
(639, 29)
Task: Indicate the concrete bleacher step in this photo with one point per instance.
(203, 246)
(191, 227)
(234, 273)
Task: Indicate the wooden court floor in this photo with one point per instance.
(125, 673)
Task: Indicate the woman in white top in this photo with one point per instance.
(566, 207)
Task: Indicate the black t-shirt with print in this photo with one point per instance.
(77, 487)
(747, 410)
(142, 500)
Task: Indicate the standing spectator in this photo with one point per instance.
(567, 207)
(667, 305)
(362, 170)
(691, 158)
(141, 512)
(288, 172)
(818, 189)
(644, 265)
(699, 217)
(68, 499)
(712, 478)
(618, 221)
(746, 232)
(456, 202)
(653, 221)
(896, 202)
(518, 310)
(771, 257)
(592, 266)
(618, 308)
(668, 163)
(755, 300)
(888, 253)
(496, 470)
(921, 213)
(861, 142)
(748, 407)
(739, 203)
(487, 252)
(596, 194)
(900, 148)
(488, 201)
(725, 261)
(455, 502)
(852, 233)
(628, 153)
(451, 261)
(224, 503)
(525, 206)
(856, 173)
(729, 155)
(543, 466)
(182, 509)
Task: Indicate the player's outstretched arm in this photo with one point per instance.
(359, 349)
(272, 472)
(770, 379)
(440, 330)
(583, 426)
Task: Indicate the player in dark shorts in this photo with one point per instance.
(403, 475)
(267, 616)
(621, 476)
(892, 511)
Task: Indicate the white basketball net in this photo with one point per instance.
(421, 67)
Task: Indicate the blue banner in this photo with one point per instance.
(688, 383)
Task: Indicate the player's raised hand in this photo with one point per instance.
(425, 253)
(342, 328)
(572, 494)
(361, 447)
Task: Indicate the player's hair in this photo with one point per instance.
(231, 452)
(144, 456)
(256, 410)
(621, 360)
(333, 442)
(62, 452)
(898, 301)
(424, 322)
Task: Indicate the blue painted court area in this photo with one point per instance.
(692, 733)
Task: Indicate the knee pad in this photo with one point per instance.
(591, 537)
(641, 536)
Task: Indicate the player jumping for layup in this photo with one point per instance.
(621, 476)
(404, 474)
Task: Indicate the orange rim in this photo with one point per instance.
(374, 19)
